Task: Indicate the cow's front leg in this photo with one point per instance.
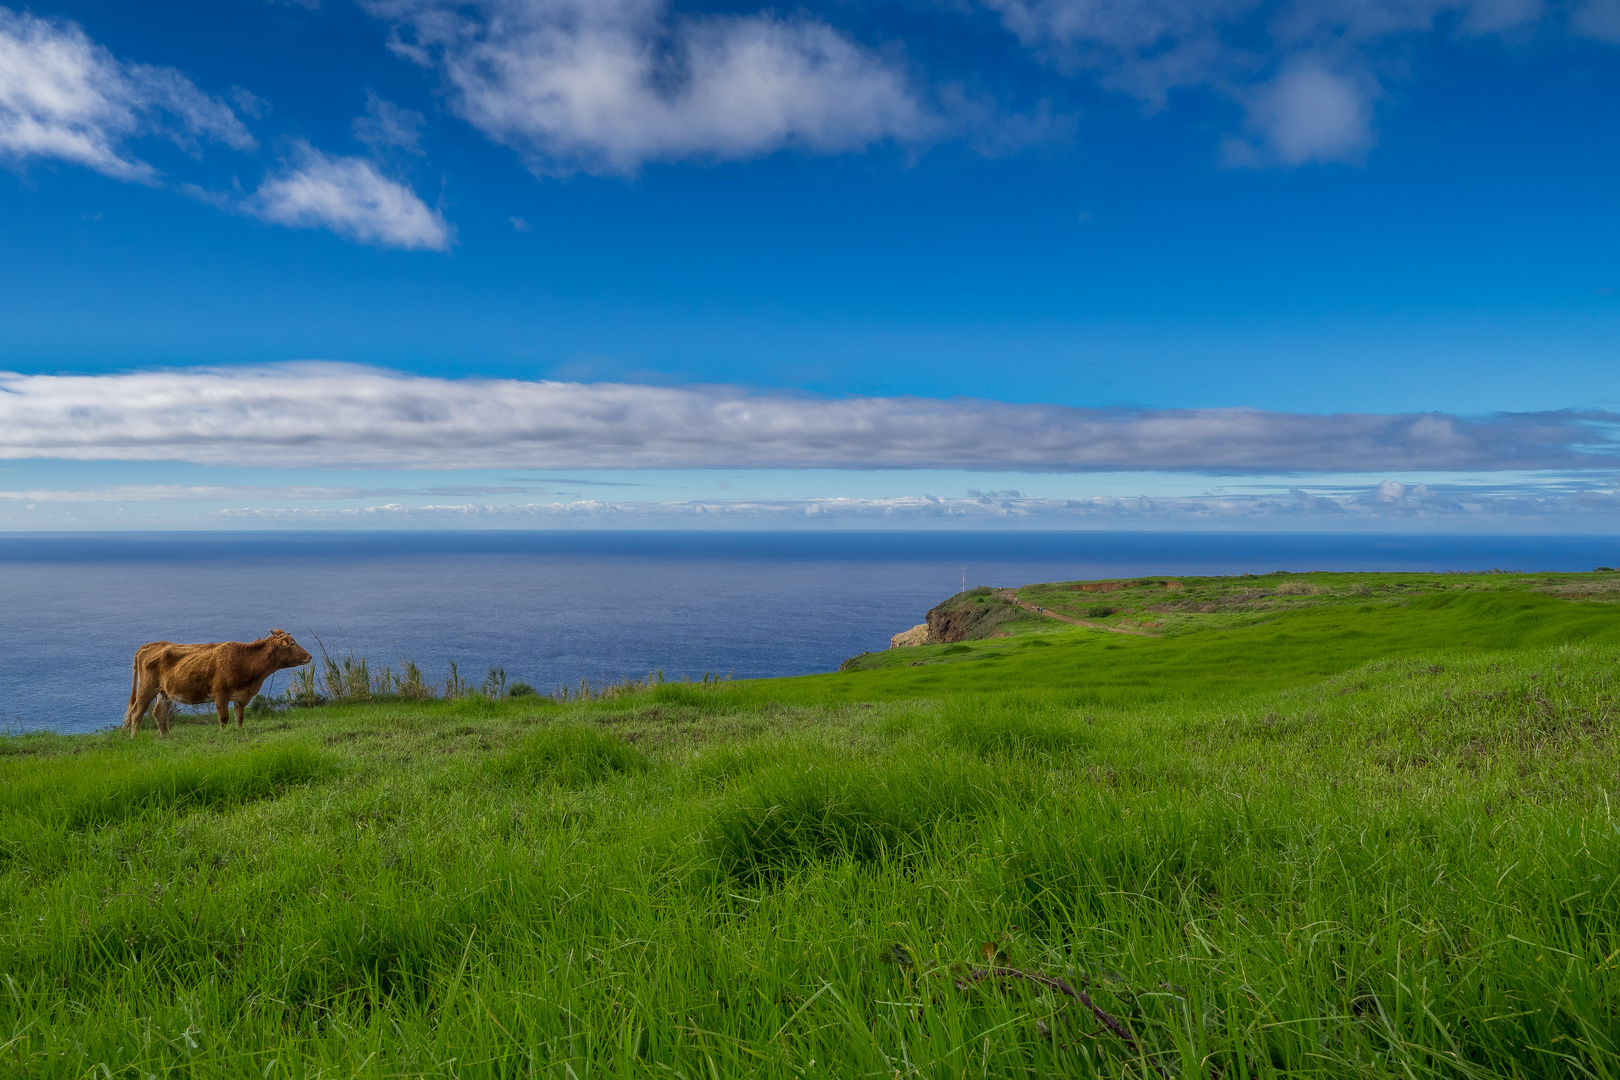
(238, 705)
(222, 705)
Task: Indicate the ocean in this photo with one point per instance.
(554, 607)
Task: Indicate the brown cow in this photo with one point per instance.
(221, 672)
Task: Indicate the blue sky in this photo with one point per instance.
(1025, 263)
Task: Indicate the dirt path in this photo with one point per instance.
(1012, 595)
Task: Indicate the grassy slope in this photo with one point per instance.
(1336, 842)
(1287, 648)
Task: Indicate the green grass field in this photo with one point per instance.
(1335, 833)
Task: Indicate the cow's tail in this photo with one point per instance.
(134, 681)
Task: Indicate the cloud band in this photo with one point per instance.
(328, 415)
(1389, 500)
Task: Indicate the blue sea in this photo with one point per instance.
(553, 607)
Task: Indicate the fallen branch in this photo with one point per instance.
(1052, 982)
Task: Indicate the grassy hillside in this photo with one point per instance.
(1352, 834)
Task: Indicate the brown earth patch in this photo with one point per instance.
(948, 627)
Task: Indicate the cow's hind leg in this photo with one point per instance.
(238, 705)
(137, 708)
(222, 705)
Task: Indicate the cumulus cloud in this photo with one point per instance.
(605, 86)
(62, 96)
(349, 196)
(1306, 72)
(314, 414)
(1307, 114)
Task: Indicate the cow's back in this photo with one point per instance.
(159, 657)
(180, 670)
(190, 672)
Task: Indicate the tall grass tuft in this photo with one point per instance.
(494, 683)
(303, 690)
(83, 793)
(682, 691)
(352, 679)
(568, 756)
(1007, 724)
(454, 685)
(787, 816)
(411, 686)
(347, 680)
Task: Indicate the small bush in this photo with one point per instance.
(520, 689)
(1099, 611)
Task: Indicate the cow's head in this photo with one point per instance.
(287, 651)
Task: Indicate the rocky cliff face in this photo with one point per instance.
(946, 625)
(905, 639)
(972, 615)
(977, 613)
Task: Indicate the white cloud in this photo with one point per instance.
(1305, 71)
(1337, 508)
(62, 96)
(230, 492)
(313, 414)
(605, 86)
(349, 196)
(387, 126)
(1308, 114)
(1596, 19)
(156, 493)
